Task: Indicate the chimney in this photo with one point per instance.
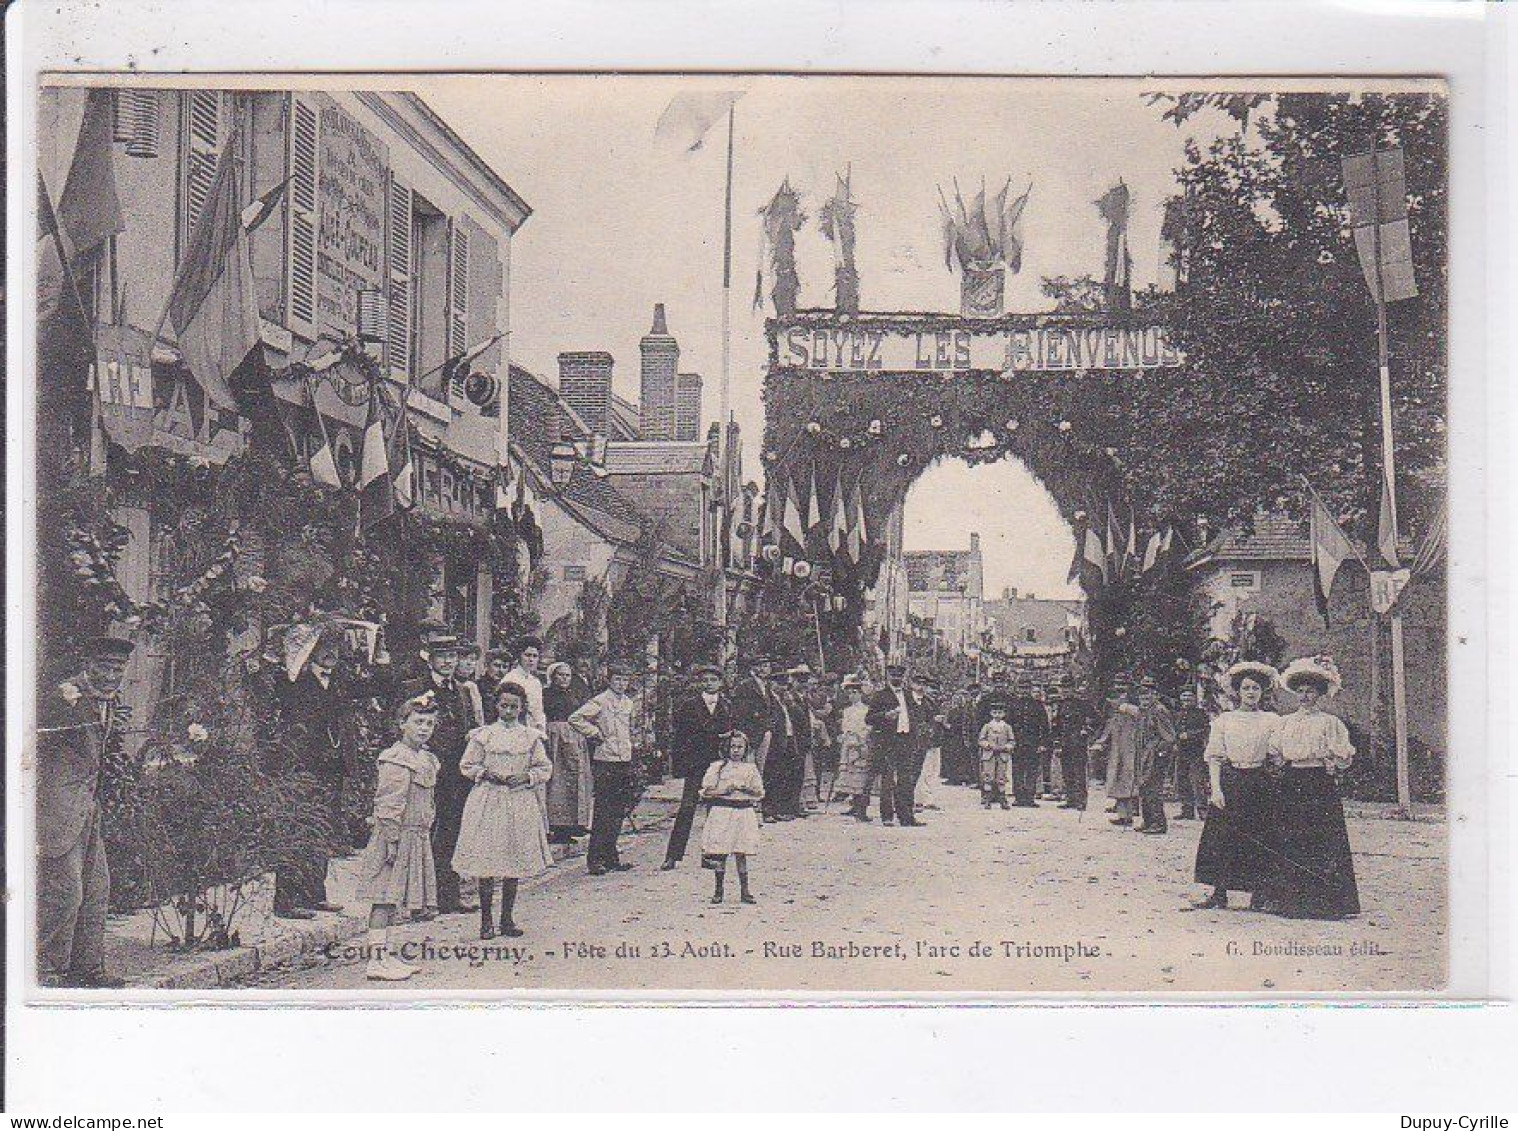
(659, 380)
(585, 386)
(974, 543)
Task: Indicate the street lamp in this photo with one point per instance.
(561, 463)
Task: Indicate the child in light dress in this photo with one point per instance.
(996, 741)
(396, 869)
(503, 836)
(732, 790)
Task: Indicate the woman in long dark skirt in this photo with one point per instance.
(1315, 874)
(1240, 840)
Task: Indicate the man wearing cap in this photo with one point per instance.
(785, 767)
(80, 727)
(1119, 737)
(898, 726)
(440, 650)
(1030, 726)
(1192, 727)
(1072, 725)
(606, 720)
(753, 706)
(700, 721)
(1156, 748)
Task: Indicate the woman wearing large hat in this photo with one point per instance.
(1240, 841)
(1315, 873)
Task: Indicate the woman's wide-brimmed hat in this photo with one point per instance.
(1316, 669)
(1267, 676)
(554, 667)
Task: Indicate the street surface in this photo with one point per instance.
(1045, 900)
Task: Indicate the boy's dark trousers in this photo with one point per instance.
(1152, 794)
(612, 782)
(1192, 784)
(1073, 769)
(690, 801)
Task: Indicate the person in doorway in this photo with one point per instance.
(502, 837)
(80, 727)
(397, 873)
(570, 789)
(1315, 872)
(701, 723)
(897, 722)
(1240, 842)
(1119, 738)
(731, 788)
(1156, 749)
(1191, 785)
(606, 721)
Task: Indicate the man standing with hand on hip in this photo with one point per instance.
(606, 720)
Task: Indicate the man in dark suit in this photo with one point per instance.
(1072, 725)
(900, 727)
(753, 707)
(700, 723)
(440, 650)
(785, 767)
(1030, 730)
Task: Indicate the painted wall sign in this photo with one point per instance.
(350, 226)
(863, 348)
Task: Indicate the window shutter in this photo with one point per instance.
(398, 253)
(199, 149)
(301, 229)
(458, 300)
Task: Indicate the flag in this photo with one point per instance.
(1012, 231)
(1114, 567)
(813, 511)
(262, 208)
(1329, 549)
(1131, 553)
(790, 513)
(1096, 554)
(856, 536)
(1151, 552)
(838, 530)
(1386, 522)
(438, 380)
(376, 489)
(505, 487)
(65, 338)
(528, 526)
(837, 223)
(323, 465)
(213, 306)
(1435, 543)
(689, 117)
(1385, 587)
(1114, 206)
(89, 211)
(403, 476)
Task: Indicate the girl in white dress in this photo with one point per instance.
(732, 790)
(503, 835)
(1239, 848)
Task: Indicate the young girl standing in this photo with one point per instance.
(502, 836)
(732, 790)
(397, 869)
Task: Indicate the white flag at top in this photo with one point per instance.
(690, 116)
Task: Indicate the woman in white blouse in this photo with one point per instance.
(1315, 874)
(1240, 840)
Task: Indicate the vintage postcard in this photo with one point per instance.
(735, 535)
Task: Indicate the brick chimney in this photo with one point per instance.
(658, 391)
(585, 386)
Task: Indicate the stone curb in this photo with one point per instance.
(220, 970)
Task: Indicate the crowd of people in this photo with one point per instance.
(498, 757)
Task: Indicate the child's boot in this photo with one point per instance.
(487, 918)
(744, 895)
(382, 968)
(717, 892)
(508, 905)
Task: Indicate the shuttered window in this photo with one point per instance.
(458, 300)
(301, 229)
(200, 139)
(398, 252)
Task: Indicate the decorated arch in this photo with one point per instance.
(858, 406)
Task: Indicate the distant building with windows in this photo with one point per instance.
(1028, 625)
(946, 588)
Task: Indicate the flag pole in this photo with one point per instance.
(1389, 472)
(723, 486)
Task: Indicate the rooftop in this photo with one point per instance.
(657, 457)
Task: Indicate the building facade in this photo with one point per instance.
(946, 589)
(378, 205)
(1025, 624)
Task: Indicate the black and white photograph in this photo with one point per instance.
(739, 533)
